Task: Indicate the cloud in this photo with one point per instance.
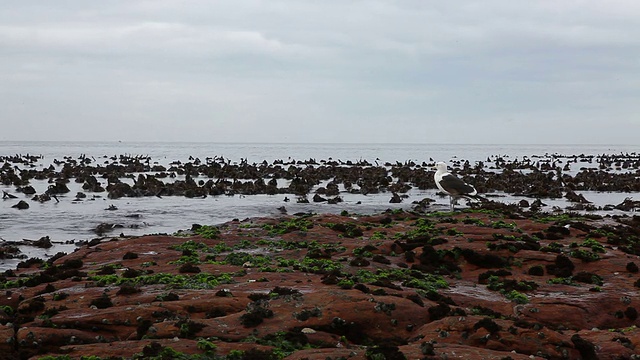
(149, 38)
(319, 71)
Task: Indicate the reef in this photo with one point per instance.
(540, 176)
(496, 282)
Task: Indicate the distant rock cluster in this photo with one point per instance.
(536, 177)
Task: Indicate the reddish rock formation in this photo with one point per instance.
(474, 284)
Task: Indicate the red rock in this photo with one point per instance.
(467, 319)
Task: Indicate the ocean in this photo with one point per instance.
(71, 221)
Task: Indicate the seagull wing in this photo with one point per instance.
(456, 186)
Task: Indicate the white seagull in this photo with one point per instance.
(453, 186)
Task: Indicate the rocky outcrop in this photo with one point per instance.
(538, 177)
(21, 205)
(400, 285)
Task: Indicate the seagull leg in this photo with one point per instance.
(451, 203)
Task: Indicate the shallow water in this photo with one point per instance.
(69, 220)
(165, 152)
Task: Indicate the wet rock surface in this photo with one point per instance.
(537, 176)
(499, 283)
(548, 182)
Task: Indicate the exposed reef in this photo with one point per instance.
(540, 177)
(494, 281)
(482, 284)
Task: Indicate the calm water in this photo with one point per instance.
(258, 152)
(69, 220)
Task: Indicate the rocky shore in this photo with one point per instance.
(57, 188)
(498, 282)
(547, 176)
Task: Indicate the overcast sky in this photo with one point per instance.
(494, 71)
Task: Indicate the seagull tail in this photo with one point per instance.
(476, 197)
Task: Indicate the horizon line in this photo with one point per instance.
(301, 143)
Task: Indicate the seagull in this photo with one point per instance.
(453, 186)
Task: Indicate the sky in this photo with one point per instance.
(330, 71)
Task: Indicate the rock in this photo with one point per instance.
(586, 348)
(578, 198)
(334, 200)
(7, 341)
(21, 205)
(318, 198)
(42, 197)
(43, 243)
(397, 284)
(27, 190)
(58, 187)
(628, 205)
(395, 199)
(104, 228)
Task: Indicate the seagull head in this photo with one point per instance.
(440, 166)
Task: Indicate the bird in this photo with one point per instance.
(453, 186)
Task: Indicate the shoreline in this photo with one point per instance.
(75, 199)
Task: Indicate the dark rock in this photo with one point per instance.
(104, 228)
(439, 311)
(58, 188)
(586, 348)
(577, 198)
(255, 316)
(21, 205)
(127, 289)
(72, 264)
(27, 190)
(395, 199)
(130, 256)
(102, 302)
(381, 259)
(483, 260)
(536, 270)
(318, 198)
(488, 324)
(563, 266)
(628, 205)
(631, 313)
(189, 268)
(130, 273)
(359, 261)
(43, 243)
